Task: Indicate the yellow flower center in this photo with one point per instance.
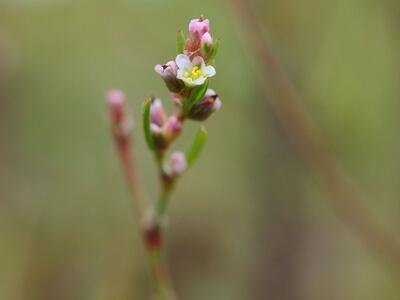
(194, 74)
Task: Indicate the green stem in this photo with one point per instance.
(162, 204)
(158, 265)
(160, 276)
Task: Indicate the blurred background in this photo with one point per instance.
(250, 220)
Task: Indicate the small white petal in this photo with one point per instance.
(209, 71)
(199, 81)
(183, 62)
(189, 83)
(179, 75)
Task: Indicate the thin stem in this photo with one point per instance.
(167, 184)
(129, 167)
(151, 232)
(153, 235)
(160, 274)
(163, 204)
(306, 138)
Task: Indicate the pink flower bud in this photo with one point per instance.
(116, 100)
(168, 73)
(155, 129)
(206, 39)
(157, 113)
(201, 110)
(115, 97)
(199, 26)
(177, 164)
(169, 66)
(172, 128)
(120, 122)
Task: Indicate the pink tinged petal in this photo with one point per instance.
(198, 60)
(183, 62)
(159, 69)
(178, 163)
(206, 39)
(173, 66)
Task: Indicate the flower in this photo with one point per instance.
(168, 73)
(193, 72)
(201, 110)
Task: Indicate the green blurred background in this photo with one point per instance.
(249, 221)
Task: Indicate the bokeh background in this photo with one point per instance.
(250, 220)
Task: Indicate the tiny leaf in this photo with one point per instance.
(180, 41)
(197, 146)
(146, 123)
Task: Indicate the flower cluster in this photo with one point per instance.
(187, 78)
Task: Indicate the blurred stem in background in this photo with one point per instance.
(151, 232)
(306, 138)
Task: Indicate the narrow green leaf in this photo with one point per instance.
(197, 93)
(214, 50)
(146, 123)
(197, 146)
(180, 41)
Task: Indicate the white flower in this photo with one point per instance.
(193, 72)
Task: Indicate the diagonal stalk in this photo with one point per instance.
(307, 140)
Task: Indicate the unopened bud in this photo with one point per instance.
(172, 128)
(168, 73)
(206, 40)
(163, 129)
(120, 121)
(177, 164)
(157, 113)
(201, 110)
(116, 100)
(199, 26)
